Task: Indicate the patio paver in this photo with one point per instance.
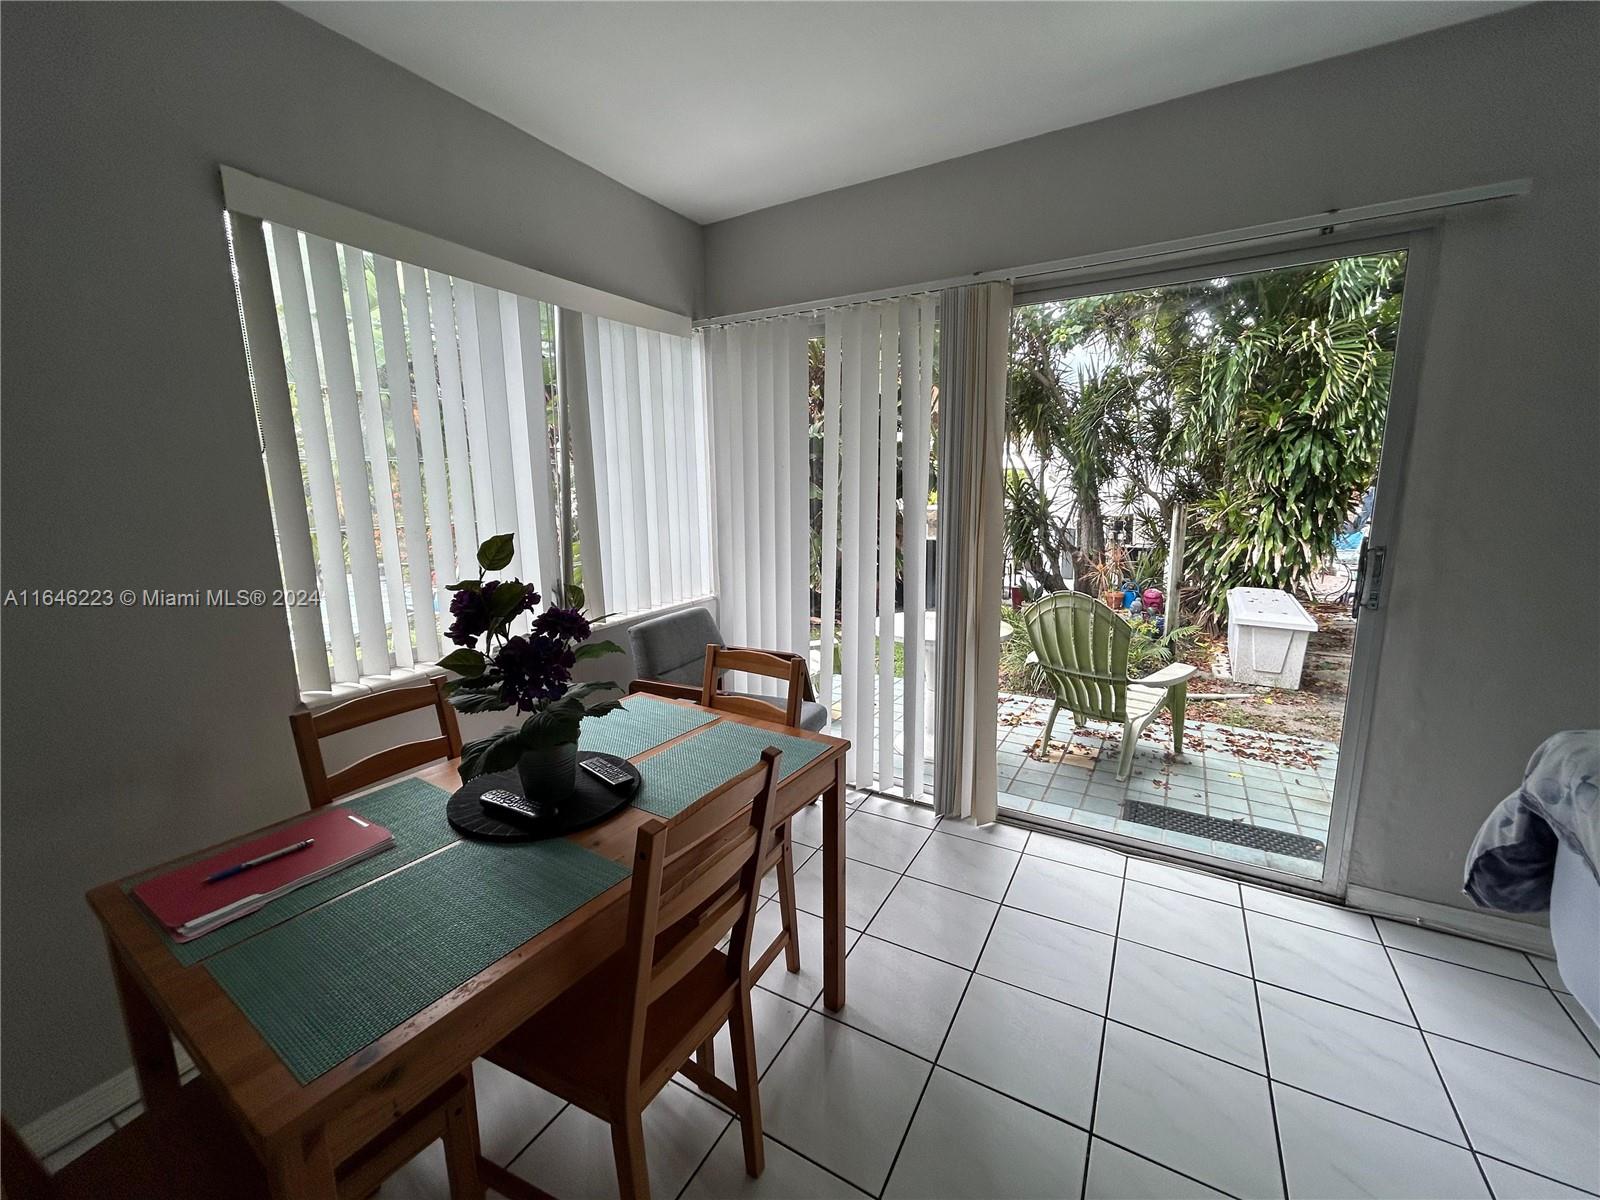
(1217, 778)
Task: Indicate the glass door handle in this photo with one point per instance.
(1368, 591)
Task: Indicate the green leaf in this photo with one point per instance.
(573, 595)
(584, 690)
(506, 599)
(466, 585)
(465, 662)
(554, 725)
(478, 701)
(498, 752)
(604, 708)
(596, 650)
(496, 553)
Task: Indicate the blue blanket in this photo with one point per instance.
(1512, 862)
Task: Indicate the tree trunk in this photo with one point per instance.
(1091, 526)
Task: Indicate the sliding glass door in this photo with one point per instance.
(1192, 493)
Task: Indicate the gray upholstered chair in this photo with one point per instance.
(672, 650)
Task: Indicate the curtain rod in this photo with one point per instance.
(821, 307)
(1321, 223)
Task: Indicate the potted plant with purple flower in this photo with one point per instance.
(529, 671)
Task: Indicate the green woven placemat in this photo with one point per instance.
(323, 986)
(676, 778)
(413, 811)
(639, 725)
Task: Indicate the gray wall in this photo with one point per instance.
(1494, 634)
(130, 455)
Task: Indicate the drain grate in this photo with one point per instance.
(1237, 833)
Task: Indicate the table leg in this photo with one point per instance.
(148, 1037)
(302, 1169)
(833, 814)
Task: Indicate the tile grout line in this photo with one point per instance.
(1527, 1062)
(1106, 1018)
(1266, 1056)
(955, 1013)
(732, 1118)
(1201, 962)
(1105, 1024)
(540, 1132)
(1154, 1036)
(806, 1011)
(1139, 1154)
(813, 1007)
(1443, 1083)
(1544, 985)
(1530, 1171)
(1281, 987)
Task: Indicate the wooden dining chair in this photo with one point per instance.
(192, 1150)
(311, 727)
(771, 664)
(669, 654)
(612, 1042)
(791, 668)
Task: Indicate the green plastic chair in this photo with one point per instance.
(1082, 648)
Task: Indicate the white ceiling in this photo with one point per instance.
(716, 109)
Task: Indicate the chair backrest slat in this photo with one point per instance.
(696, 879)
(309, 728)
(787, 667)
(690, 950)
(695, 887)
(1083, 647)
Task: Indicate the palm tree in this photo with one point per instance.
(1258, 399)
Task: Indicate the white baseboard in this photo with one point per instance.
(1499, 928)
(70, 1121)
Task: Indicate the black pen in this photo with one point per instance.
(229, 872)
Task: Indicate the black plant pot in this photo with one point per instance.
(549, 774)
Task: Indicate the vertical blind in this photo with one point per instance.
(639, 434)
(761, 450)
(876, 458)
(411, 420)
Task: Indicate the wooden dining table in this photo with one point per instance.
(302, 1132)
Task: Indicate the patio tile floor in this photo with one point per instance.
(1221, 780)
(1081, 787)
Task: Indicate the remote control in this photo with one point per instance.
(508, 806)
(607, 773)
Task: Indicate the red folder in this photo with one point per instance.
(189, 907)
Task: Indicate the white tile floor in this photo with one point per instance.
(1031, 1017)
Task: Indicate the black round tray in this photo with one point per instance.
(592, 801)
